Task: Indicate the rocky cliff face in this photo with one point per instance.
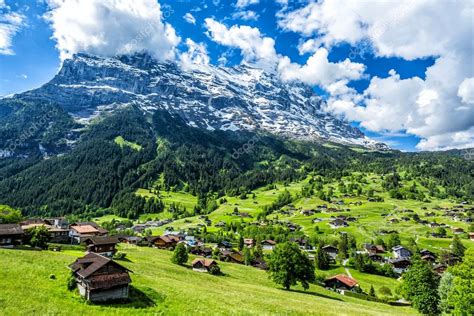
(237, 98)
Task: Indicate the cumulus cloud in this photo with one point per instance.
(10, 24)
(438, 108)
(260, 51)
(111, 27)
(318, 70)
(196, 55)
(246, 3)
(188, 17)
(256, 49)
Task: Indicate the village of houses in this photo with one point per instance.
(100, 278)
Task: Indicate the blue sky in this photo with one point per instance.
(33, 58)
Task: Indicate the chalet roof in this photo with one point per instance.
(85, 229)
(350, 282)
(100, 229)
(109, 280)
(102, 240)
(34, 225)
(90, 263)
(10, 229)
(269, 242)
(205, 262)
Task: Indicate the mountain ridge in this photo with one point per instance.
(213, 98)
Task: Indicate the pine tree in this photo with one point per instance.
(321, 259)
(372, 291)
(457, 247)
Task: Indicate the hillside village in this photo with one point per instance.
(99, 275)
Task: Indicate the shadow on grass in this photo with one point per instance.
(315, 294)
(123, 259)
(138, 298)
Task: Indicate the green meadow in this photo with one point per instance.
(34, 283)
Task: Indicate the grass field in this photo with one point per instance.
(27, 288)
(369, 214)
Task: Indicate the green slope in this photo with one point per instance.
(28, 289)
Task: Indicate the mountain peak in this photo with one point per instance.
(214, 98)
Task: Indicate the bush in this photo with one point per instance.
(215, 270)
(71, 282)
(385, 291)
(120, 255)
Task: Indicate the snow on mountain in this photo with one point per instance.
(237, 98)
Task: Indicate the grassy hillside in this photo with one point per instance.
(28, 288)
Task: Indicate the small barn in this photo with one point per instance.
(100, 279)
(10, 235)
(203, 265)
(103, 245)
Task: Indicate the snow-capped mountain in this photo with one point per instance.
(237, 98)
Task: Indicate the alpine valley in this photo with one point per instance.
(238, 170)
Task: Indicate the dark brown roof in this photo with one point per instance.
(102, 240)
(10, 229)
(90, 263)
(205, 262)
(109, 280)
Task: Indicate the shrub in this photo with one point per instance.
(71, 282)
(215, 270)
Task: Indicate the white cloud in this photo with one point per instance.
(260, 51)
(318, 70)
(439, 108)
(196, 55)
(466, 91)
(188, 17)
(246, 3)
(10, 24)
(247, 15)
(110, 27)
(256, 49)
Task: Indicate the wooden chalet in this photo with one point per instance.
(102, 245)
(100, 279)
(331, 251)
(400, 265)
(231, 256)
(10, 235)
(203, 265)
(165, 241)
(81, 231)
(341, 282)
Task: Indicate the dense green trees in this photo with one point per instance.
(288, 265)
(420, 286)
(461, 296)
(9, 215)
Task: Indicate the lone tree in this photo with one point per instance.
(39, 237)
(288, 265)
(457, 247)
(420, 286)
(180, 255)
